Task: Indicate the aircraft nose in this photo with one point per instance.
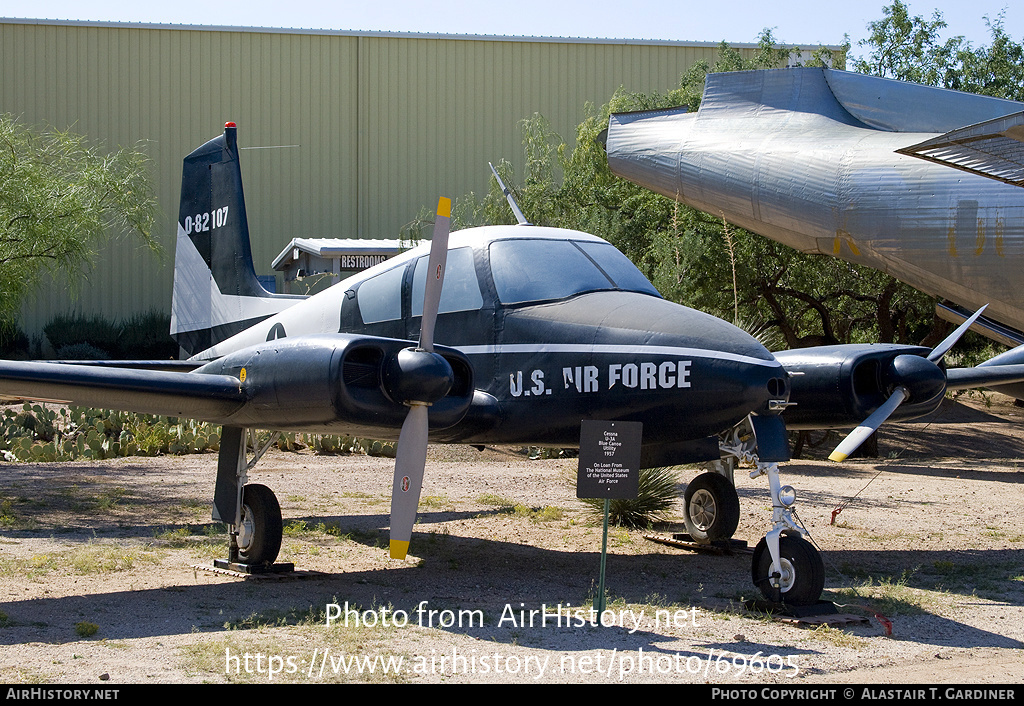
(740, 365)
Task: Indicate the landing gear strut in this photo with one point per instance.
(251, 511)
(786, 568)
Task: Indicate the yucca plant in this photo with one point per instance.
(657, 490)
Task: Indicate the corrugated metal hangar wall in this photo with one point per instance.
(368, 127)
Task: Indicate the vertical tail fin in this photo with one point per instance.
(216, 292)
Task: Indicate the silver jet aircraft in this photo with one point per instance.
(919, 182)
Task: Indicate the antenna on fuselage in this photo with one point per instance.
(508, 197)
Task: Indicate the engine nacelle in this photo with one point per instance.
(333, 383)
(838, 387)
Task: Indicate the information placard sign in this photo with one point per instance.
(609, 460)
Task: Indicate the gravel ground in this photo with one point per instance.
(104, 573)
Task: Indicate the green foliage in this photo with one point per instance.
(146, 336)
(909, 48)
(86, 629)
(996, 70)
(39, 433)
(657, 491)
(331, 444)
(60, 198)
(13, 341)
(44, 433)
(81, 351)
(66, 330)
(696, 258)
(806, 299)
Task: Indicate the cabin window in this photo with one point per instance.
(461, 289)
(380, 297)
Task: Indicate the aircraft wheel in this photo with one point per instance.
(712, 508)
(259, 536)
(803, 573)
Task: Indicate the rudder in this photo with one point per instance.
(216, 292)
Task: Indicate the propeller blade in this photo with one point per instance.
(410, 460)
(950, 340)
(926, 379)
(411, 455)
(435, 272)
(857, 437)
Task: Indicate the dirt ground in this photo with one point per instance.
(104, 574)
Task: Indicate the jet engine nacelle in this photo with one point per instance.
(334, 383)
(836, 387)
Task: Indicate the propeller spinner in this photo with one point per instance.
(911, 377)
(418, 377)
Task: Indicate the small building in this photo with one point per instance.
(312, 264)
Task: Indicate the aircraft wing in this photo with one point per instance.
(329, 383)
(176, 394)
(983, 376)
(993, 149)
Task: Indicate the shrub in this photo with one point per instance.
(139, 337)
(13, 341)
(147, 337)
(67, 330)
(81, 351)
(657, 490)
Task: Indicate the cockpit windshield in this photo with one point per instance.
(522, 270)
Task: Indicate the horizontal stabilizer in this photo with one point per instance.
(993, 149)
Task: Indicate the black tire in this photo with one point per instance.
(259, 540)
(712, 508)
(803, 571)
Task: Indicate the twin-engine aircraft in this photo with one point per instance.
(541, 327)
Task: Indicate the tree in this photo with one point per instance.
(699, 260)
(910, 49)
(696, 258)
(907, 48)
(996, 70)
(60, 198)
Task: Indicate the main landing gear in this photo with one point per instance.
(712, 508)
(786, 568)
(251, 511)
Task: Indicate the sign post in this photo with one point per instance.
(609, 468)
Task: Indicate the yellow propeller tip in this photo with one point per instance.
(444, 207)
(837, 457)
(399, 549)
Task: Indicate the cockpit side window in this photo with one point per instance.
(523, 270)
(380, 297)
(461, 290)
